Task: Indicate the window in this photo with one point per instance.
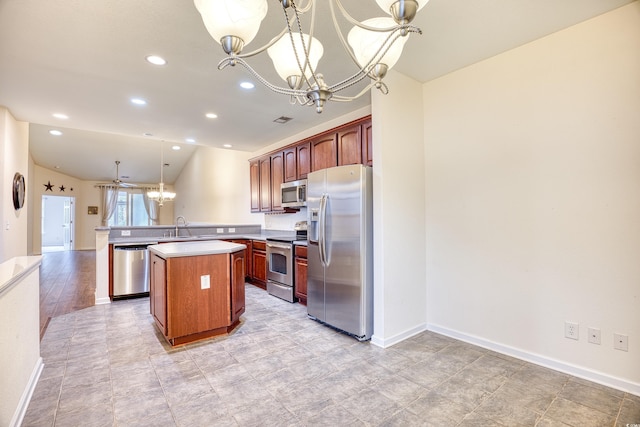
(130, 210)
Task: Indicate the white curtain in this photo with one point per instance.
(151, 206)
(109, 197)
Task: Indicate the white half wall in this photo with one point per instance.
(398, 211)
(533, 209)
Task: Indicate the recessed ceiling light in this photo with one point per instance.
(175, 147)
(190, 140)
(247, 85)
(227, 145)
(60, 116)
(211, 116)
(156, 60)
(138, 101)
(55, 132)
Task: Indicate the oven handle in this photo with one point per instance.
(322, 228)
(277, 246)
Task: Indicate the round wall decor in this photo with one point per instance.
(18, 191)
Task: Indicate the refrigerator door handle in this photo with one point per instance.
(321, 230)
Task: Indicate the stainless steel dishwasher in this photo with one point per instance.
(130, 270)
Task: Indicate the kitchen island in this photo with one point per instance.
(196, 289)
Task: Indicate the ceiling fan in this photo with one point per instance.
(118, 181)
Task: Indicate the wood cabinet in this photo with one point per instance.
(196, 297)
(254, 183)
(259, 262)
(290, 164)
(303, 159)
(350, 146)
(237, 285)
(277, 178)
(157, 291)
(345, 145)
(301, 273)
(247, 258)
(265, 184)
(367, 145)
(324, 152)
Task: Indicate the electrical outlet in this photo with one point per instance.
(219, 230)
(621, 342)
(125, 232)
(205, 282)
(232, 230)
(594, 335)
(571, 330)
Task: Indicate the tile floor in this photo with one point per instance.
(108, 366)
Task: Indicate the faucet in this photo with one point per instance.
(184, 223)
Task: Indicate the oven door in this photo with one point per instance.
(280, 262)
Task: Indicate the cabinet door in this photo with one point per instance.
(277, 178)
(290, 165)
(254, 182)
(350, 146)
(158, 291)
(259, 263)
(303, 158)
(265, 184)
(367, 146)
(237, 285)
(247, 255)
(301, 279)
(324, 152)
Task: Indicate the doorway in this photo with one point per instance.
(57, 223)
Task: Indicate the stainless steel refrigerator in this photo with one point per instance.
(340, 249)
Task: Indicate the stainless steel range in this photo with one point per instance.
(280, 268)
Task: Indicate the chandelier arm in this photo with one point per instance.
(345, 46)
(304, 46)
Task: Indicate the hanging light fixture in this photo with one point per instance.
(374, 45)
(160, 195)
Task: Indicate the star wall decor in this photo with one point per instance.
(49, 186)
(61, 188)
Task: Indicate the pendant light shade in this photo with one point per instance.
(283, 55)
(366, 44)
(239, 18)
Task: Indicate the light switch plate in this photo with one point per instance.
(232, 230)
(125, 232)
(205, 282)
(220, 230)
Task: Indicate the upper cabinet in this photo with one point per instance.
(277, 178)
(290, 164)
(254, 182)
(350, 146)
(346, 145)
(367, 145)
(265, 184)
(324, 152)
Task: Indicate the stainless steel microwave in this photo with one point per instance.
(294, 194)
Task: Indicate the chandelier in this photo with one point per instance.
(159, 194)
(374, 45)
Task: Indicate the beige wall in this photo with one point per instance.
(533, 208)
(14, 150)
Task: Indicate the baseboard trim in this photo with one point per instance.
(23, 404)
(105, 300)
(538, 359)
(388, 342)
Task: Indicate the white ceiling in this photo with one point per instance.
(85, 58)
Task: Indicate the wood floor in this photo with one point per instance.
(67, 283)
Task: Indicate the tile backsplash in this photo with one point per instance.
(285, 221)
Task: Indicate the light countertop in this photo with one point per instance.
(185, 249)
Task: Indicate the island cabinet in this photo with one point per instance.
(196, 296)
(248, 270)
(301, 273)
(259, 263)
